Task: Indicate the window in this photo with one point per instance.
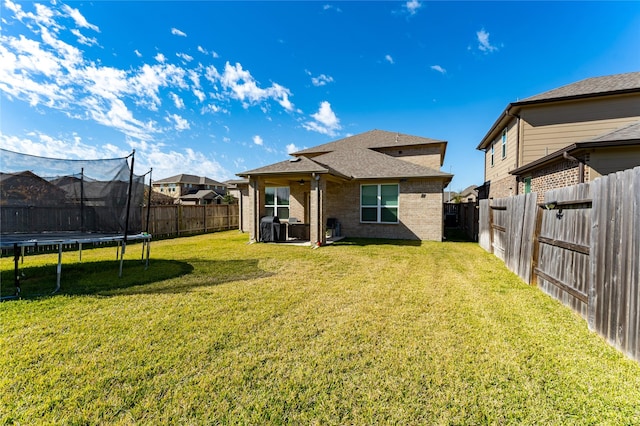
(276, 201)
(504, 143)
(527, 185)
(379, 203)
(492, 146)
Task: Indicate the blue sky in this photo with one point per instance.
(215, 88)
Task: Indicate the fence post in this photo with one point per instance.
(535, 253)
(490, 229)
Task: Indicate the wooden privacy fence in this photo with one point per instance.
(581, 246)
(463, 216)
(165, 221)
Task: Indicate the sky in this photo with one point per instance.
(215, 88)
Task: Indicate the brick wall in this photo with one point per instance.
(556, 175)
(505, 187)
(420, 211)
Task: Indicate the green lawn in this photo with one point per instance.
(219, 331)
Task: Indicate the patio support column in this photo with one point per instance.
(256, 189)
(317, 215)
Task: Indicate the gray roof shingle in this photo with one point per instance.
(628, 132)
(192, 179)
(369, 164)
(591, 86)
(371, 139)
(355, 157)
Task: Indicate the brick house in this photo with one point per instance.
(376, 184)
(183, 188)
(565, 136)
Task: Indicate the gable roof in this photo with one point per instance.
(355, 157)
(206, 194)
(192, 179)
(370, 140)
(594, 87)
(373, 165)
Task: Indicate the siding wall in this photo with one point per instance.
(425, 156)
(603, 163)
(502, 166)
(548, 128)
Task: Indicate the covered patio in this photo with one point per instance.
(295, 192)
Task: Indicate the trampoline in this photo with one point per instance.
(60, 203)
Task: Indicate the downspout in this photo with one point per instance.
(569, 157)
(517, 117)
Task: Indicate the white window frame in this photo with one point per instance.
(379, 205)
(504, 143)
(275, 204)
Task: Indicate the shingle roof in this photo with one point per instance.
(371, 139)
(629, 132)
(354, 157)
(373, 165)
(192, 179)
(294, 165)
(591, 86)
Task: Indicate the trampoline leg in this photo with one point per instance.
(80, 250)
(146, 265)
(124, 245)
(16, 276)
(58, 270)
(22, 254)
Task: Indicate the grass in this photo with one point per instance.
(218, 331)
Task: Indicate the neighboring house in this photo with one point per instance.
(467, 195)
(565, 136)
(201, 197)
(182, 185)
(376, 184)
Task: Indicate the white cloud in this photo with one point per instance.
(439, 69)
(68, 147)
(206, 52)
(185, 57)
(138, 54)
(88, 41)
(200, 95)
(388, 58)
(180, 123)
(243, 87)
(177, 101)
(412, 6)
(258, 140)
(321, 80)
(160, 58)
(483, 42)
(292, 148)
(331, 7)
(80, 20)
(325, 122)
(177, 32)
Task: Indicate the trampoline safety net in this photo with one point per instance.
(46, 195)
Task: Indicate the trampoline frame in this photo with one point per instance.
(18, 242)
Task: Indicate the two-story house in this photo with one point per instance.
(565, 136)
(190, 189)
(376, 184)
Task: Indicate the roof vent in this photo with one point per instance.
(294, 159)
